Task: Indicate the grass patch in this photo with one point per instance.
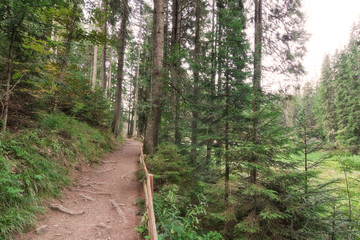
(343, 169)
(36, 163)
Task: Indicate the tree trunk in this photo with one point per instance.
(8, 81)
(218, 41)
(209, 141)
(5, 113)
(65, 59)
(213, 50)
(153, 124)
(68, 43)
(94, 68)
(175, 47)
(120, 74)
(144, 92)
(110, 74)
(227, 142)
(103, 79)
(53, 37)
(136, 90)
(129, 114)
(195, 115)
(256, 80)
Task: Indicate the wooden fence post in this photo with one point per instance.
(149, 194)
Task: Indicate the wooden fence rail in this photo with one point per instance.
(149, 191)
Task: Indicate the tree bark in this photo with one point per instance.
(153, 124)
(129, 112)
(256, 80)
(136, 90)
(53, 37)
(120, 74)
(218, 44)
(213, 51)
(209, 141)
(227, 141)
(8, 82)
(103, 79)
(94, 68)
(195, 115)
(110, 73)
(175, 47)
(9, 74)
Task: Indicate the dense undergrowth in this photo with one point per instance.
(36, 163)
(187, 207)
(179, 203)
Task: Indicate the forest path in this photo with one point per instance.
(100, 204)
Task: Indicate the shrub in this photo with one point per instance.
(168, 166)
(177, 220)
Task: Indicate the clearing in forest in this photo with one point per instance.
(100, 204)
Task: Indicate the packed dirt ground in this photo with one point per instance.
(100, 205)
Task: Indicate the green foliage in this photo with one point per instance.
(342, 170)
(338, 95)
(37, 32)
(168, 165)
(176, 220)
(36, 163)
(338, 116)
(86, 105)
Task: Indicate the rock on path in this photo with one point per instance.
(105, 196)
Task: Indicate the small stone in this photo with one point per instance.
(42, 229)
(103, 225)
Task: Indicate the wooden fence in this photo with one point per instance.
(148, 191)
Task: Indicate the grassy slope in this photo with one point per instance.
(35, 164)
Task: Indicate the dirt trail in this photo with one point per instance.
(100, 205)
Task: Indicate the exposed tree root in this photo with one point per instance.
(87, 198)
(107, 162)
(118, 209)
(96, 188)
(91, 184)
(96, 193)
(103, 225)
(105, 171)
(63, 209)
